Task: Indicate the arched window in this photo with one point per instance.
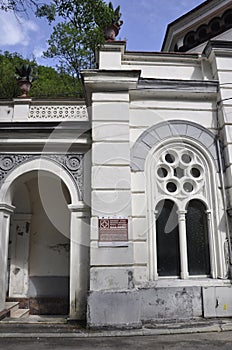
(184, 239)
(197, 238)
(168, 253)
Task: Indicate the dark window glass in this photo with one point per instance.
(195, 172)
(167, 230)
(197, 239)
(171, 187)
(186, 158)
(162, 172)
(188, 187)
(170, 158)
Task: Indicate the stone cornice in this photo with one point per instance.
(184, 85)
(158, 88)
(218, 45)
(117, 80)
(43, 127)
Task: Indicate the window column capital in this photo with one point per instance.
(181, 214)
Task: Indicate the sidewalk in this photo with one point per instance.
(58, 328)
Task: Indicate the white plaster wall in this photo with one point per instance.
(118, 121)
(6, 112)
(144, 113)
(221, 62)
(111, 187)
(169, 71)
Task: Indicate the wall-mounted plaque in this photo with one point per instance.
(113, 229)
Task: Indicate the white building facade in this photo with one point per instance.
(120, 211)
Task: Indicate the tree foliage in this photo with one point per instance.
(50, 83)
(78, 32)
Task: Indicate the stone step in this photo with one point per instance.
(20, 313)
(11, 306)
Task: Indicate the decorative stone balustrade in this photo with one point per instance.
(58, 113)
(24, 110)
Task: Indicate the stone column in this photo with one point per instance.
(5, 213)
(183, 244)
(153, 250)
(79, 259)
(211, 244)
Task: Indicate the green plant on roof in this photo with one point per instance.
(25, 73)
(116, 15)
(105, 15)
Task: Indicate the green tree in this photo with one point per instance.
(50, 83)
(8, 62)
(78, 32)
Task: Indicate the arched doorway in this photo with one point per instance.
(39, 254)
(49, 257)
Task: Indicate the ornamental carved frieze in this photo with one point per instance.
(72, 163)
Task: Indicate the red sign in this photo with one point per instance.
(113, 230)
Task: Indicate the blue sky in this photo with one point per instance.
(144, 27)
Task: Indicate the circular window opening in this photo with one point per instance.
(186, 158)
(188, 187)
(162, 172)
(170, 158)
(171, 187)
(195, 172)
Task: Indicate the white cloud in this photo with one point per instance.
(15, 30)
(38, 52)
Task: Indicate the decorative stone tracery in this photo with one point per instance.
(71, 162)
(180, 172)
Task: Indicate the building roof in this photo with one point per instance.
(204, 22)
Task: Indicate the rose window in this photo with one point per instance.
(180, 172)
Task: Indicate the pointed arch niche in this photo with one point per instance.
(180, 162)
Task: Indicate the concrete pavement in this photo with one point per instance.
(201, 341)
(58, 328)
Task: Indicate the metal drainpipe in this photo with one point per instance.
(223, 188)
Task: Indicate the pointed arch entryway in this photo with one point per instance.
(43, 198)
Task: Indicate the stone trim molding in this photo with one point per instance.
(72, 163)
(7, 208)
(80, 209)
(210, 86)
(173, 128)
